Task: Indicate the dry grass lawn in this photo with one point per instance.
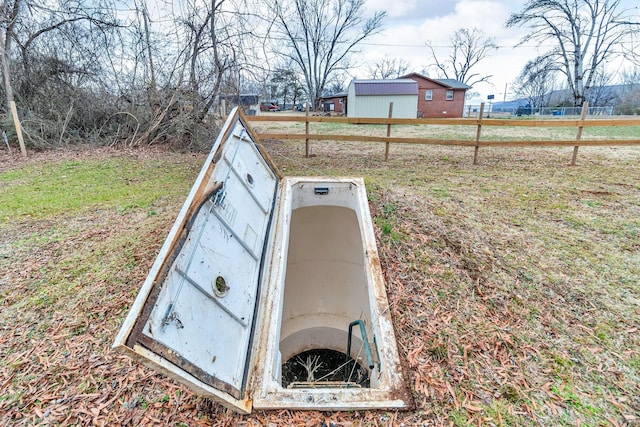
(514, 285)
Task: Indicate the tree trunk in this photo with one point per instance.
(155, 102)
(8, 89)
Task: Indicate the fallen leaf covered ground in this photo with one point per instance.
(513, 288)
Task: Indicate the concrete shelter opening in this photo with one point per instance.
(257, 269)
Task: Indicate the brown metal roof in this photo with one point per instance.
(386, 87)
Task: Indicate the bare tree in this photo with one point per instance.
(536, 81)
(631, 76)
(388, 68)
(207, 62)
(629, 95)
(143, 14)
(336, 83)
(319, 35)
(7, 22)
(89, 68)
(602, 92)
(469, 46)
(586, 34)
(178, 63)
(46, 49)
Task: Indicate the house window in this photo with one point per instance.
(449, 95)
(428, 95)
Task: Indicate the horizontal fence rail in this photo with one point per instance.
(457, 122)
(579, 124)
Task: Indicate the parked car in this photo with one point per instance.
(523, 110)
(303, 106)
(269, 106)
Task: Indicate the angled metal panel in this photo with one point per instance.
(194, 316)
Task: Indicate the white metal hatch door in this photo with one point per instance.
(197, 310)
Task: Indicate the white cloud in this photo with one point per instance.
(411, 23)
(405, 37)
(410, 10)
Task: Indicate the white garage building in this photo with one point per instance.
(371, 98)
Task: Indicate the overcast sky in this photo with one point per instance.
(410, 23)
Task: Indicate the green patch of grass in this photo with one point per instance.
(611, 132)
(71, 186)
(571, 398)
(458, 418)
(389, 209)
(592, 203)
(499, 412)
(385, 226)
(440, 192)
(388, 229)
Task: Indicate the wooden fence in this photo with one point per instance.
(579, 124)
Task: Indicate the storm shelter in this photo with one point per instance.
(268, 291)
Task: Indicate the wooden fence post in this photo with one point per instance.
(18, 126)
(583, 115)
(306, 132)
(478, 134)
(386, 148)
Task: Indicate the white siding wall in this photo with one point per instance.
(404, 106)
(352, 107)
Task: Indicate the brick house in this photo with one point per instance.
(439, 97)
(335, 103)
